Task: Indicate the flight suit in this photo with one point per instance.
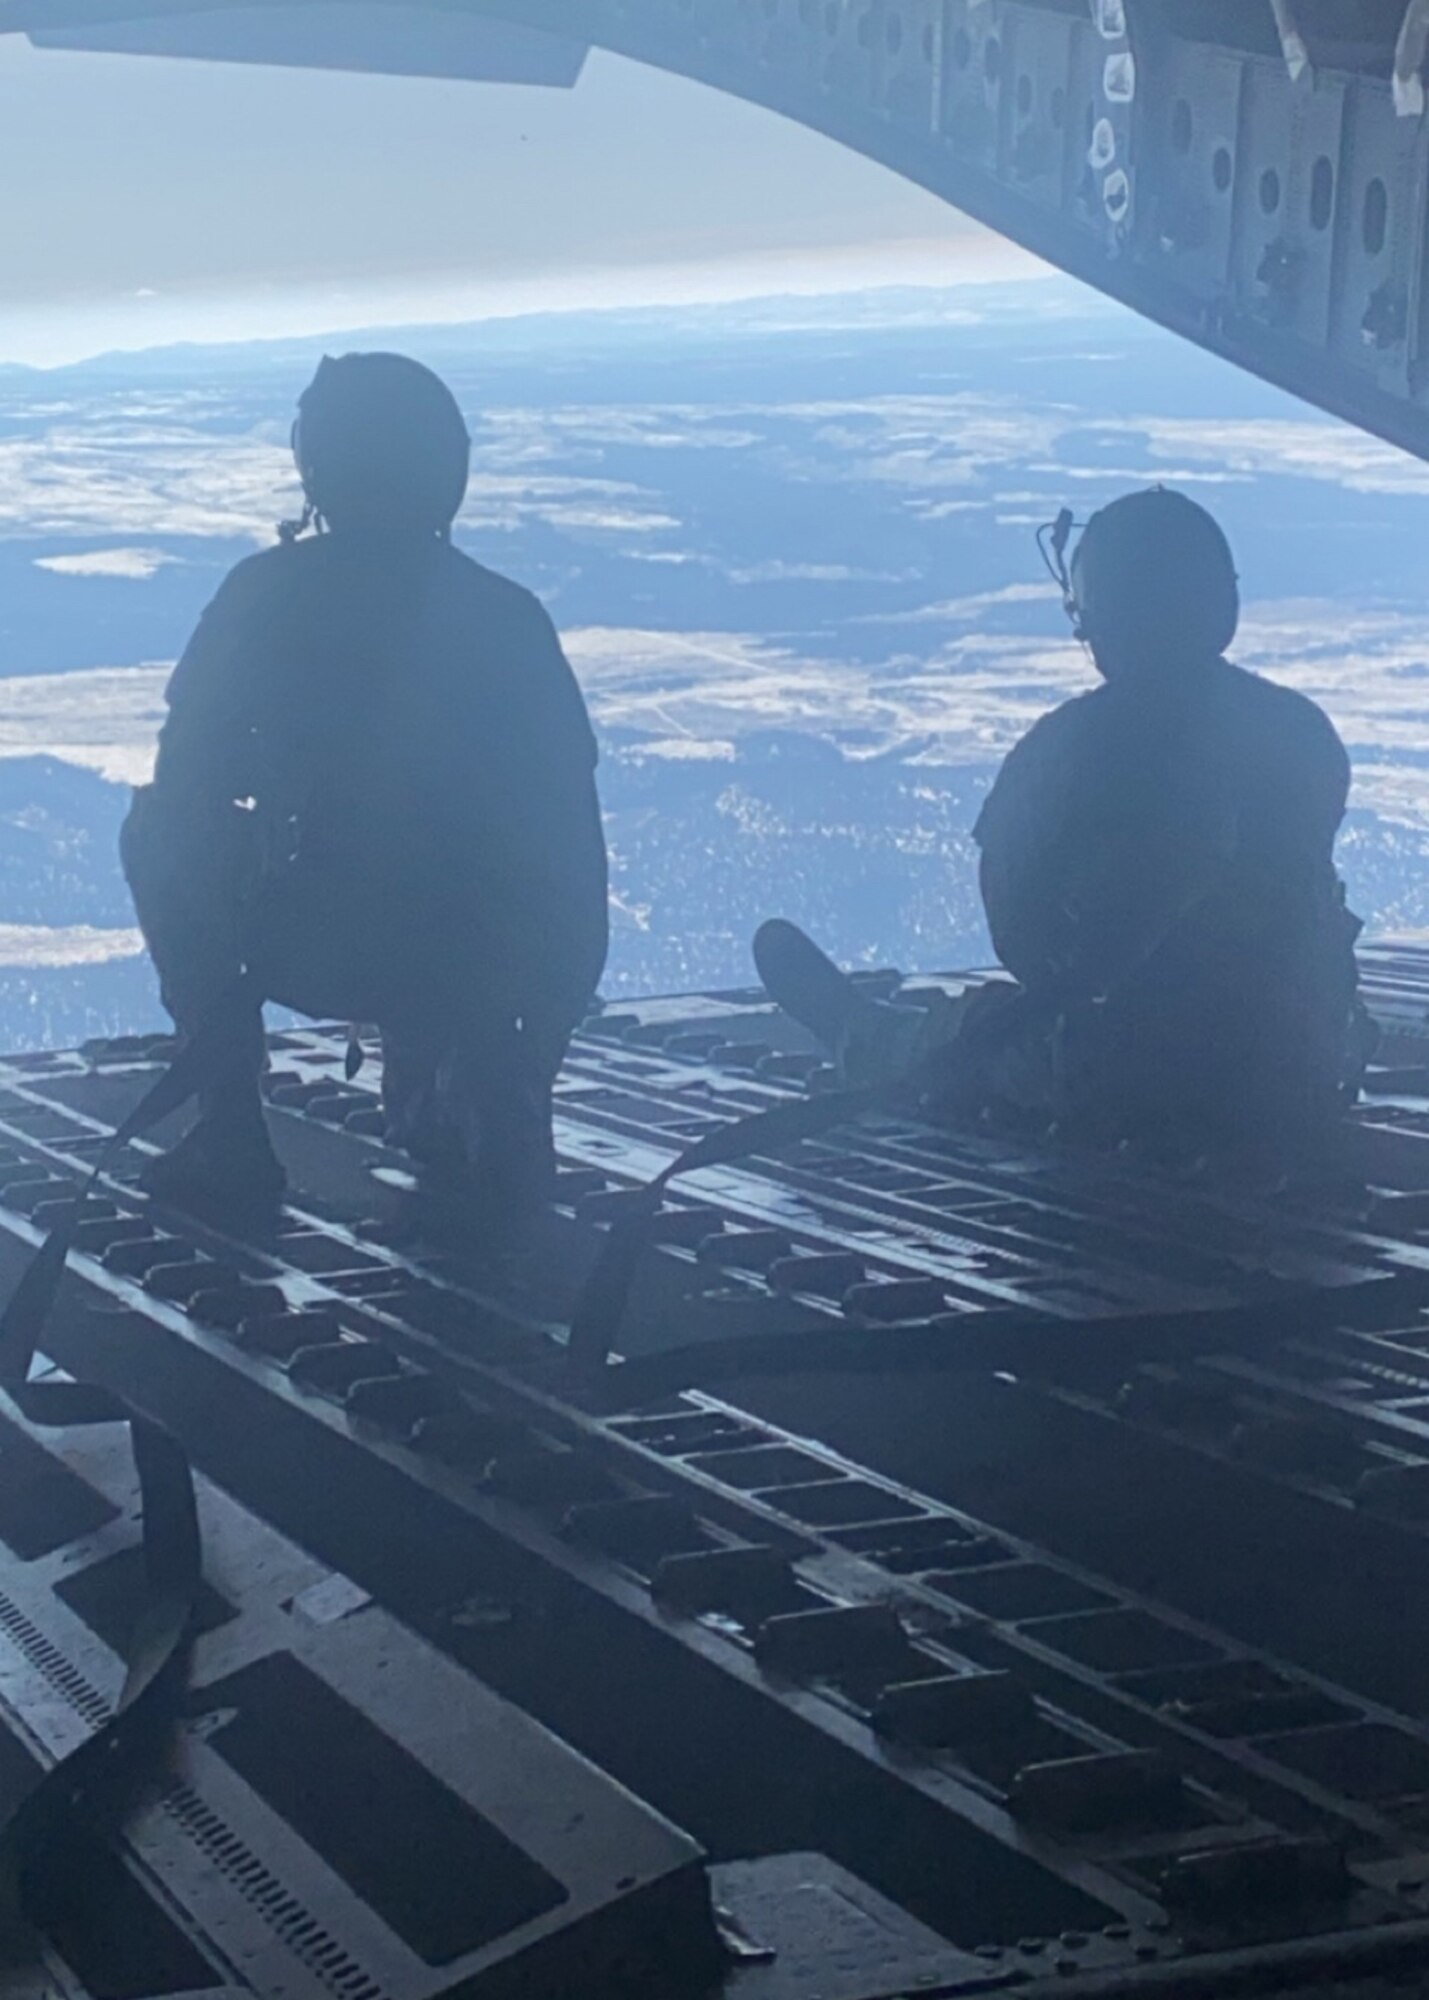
(375, 788)
(1157, 862)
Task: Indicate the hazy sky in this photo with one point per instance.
(146, 199)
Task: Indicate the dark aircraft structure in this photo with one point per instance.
(1250, 173)
(884, 1560)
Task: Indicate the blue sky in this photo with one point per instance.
(144, 200)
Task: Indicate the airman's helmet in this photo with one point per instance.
(381, 444)
(1153, 572)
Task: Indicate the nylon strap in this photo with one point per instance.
(600, 1309)
(1012, 1340)
(1032, 1344)
(90, 1787)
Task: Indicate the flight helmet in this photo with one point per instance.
(381, 445)
(1152, 582)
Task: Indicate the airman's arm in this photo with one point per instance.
(1020, 833)
(547, 878)
(205, 745)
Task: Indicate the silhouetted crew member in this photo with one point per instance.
(1158, 876)
(376, 789)
(1157, 856)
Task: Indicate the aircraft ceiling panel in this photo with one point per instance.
(337, 34)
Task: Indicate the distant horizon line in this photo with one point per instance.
(46, 339)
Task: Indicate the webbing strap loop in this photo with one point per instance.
(600, 1309)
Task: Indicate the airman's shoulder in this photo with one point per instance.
(1289, 714)
(498, 596)
(265, 574)
(1062, 727)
